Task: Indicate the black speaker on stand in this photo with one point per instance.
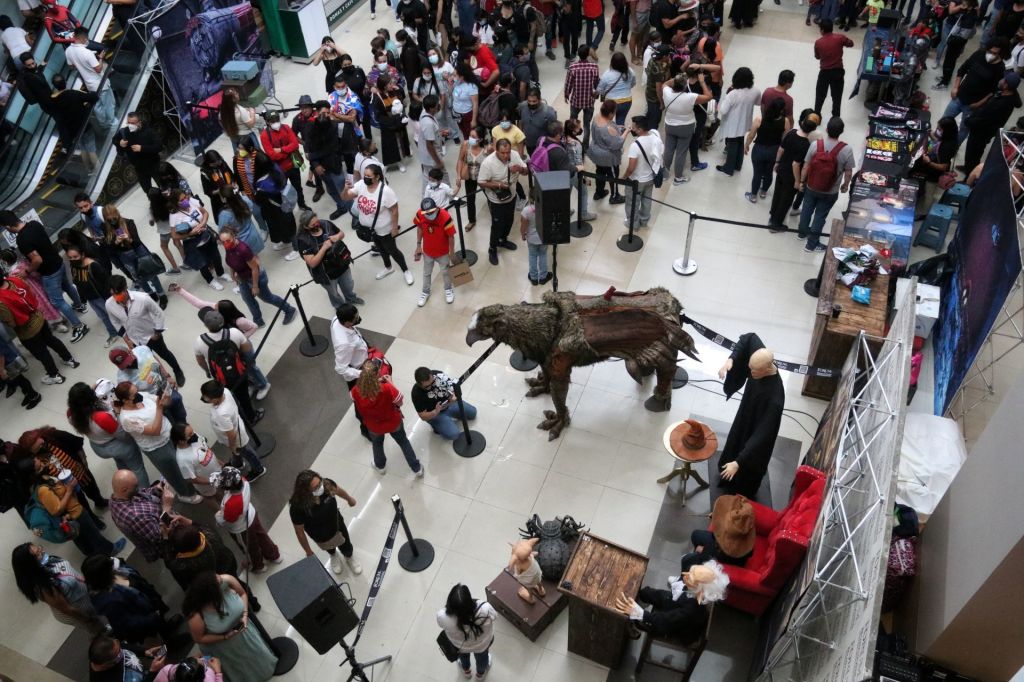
(551, 192)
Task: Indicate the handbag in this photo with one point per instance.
(961, 33)
(504, 194)
(337, 260)
(150, 265)
(448, 650)
(289, 198)
(659, 174)
(601, 95)
(947, 180)
(376, 356)
(365, 233)
(298, 161)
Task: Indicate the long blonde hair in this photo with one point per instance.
(110, 213)
(368, 383)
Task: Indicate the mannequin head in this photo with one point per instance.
(706, 582)
(762, 364)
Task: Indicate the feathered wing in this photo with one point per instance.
(640, 336)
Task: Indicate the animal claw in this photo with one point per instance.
(536, 391)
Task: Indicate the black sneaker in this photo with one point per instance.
(317, 195)
(600, 195)
(252, 478)
(618, 199)
(32, 400)
(258, 417)
(546, 278)
(162, 302)
(81, 308)
(814, 249)
(492, 256)
(506, 244)
(289, 316)
(78, 333)
(533, 281)
(337, 214)
(310, 183)
(72, 363)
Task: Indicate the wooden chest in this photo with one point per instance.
(598, 571)
(530, 619)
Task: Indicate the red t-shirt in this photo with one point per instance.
(380, 415)
(485, 60)
(435, 233)
(592, 9)
(829, 50)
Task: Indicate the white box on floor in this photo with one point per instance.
(927, 302)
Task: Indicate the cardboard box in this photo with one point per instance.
(927, 309)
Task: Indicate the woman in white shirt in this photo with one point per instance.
(469, 625)
(737, 112)
(377, 208)
(236, 120)
(681, 121)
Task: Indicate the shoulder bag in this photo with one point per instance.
(364, 233)
(962, 33)
(659, 174)
(602, 95)
(504, 194)
(337, 260)
(448, 650)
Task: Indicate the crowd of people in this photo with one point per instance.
(462, 95)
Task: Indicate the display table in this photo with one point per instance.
(684, 461)
(303, 27)
(597, 573)
(833, 337)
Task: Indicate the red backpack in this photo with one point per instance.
(823, 168)
(20, 300)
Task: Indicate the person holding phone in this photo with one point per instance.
(141, 513)
(433, 397)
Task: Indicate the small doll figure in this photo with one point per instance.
(524, 568)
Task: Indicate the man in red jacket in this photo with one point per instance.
(282, 146)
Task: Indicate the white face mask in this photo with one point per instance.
(275, 126)
(319, 490)
(383, 66)
(991, 58)
(132, 127)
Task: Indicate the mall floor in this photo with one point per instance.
(602, 470)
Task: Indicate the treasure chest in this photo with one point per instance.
(530, 619)
(239, 70)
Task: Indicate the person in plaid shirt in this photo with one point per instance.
(136, 512)
(580, 86)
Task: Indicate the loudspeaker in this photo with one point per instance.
(551, 200)
(888, 18)
(313, 603)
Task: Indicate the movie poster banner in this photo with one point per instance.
(985, 263)
(194, 40)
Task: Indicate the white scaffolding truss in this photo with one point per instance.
(831, 631)
(1007, 334)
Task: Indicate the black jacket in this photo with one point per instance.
(70, 110)
(683, 618)
(148, 159)
(322, 145)
(993, 114)
(33, 87)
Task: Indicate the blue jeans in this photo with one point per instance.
(447, 423)
(538, 257)
(264, 294)
(89, 539)
(483, 661)
(105, 109)
(345, 284)
(334, 184)
(377, 440)
(56, 285)
(941, 49)
(101, 312)
(467, 14)
(130, 260)
(812, 216)
(255, 374)
(250, 456)
(622, 111)
(176, 409)
(954, 108)
(591, 23)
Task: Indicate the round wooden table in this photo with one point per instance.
(683, 465)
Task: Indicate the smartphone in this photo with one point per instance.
(161, 652)
(165, 518)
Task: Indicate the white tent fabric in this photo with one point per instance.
(932, 453)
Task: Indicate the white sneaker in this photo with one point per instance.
(278, 246)
(419, 473)
(236, 289)
(111, 340)
(353, 565)
(372, 17)
(226, 277)
(262, 393)
(408, 277)
(292, 255)
(401, 168)
(216, 286)
(336, 562)
(190, 499)
(61, 328)
(384, 273)
(424, 295)
(449, 295)
(382, 470)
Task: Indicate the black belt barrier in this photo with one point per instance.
(716, 338)
(378, 577)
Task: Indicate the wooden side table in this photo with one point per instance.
(599, 571)
(683, 465)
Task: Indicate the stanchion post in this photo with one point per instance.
(579, 228)
(469, 443)
(263, 446)
(416, 554)
(284, 648)
(520, 362)
(629, 242)
(465, 254)
(684, 265)
(314, 344)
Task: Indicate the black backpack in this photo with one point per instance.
(225, 359)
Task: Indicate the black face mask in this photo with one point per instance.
(357, 320)
(137, 399)
(194, 438)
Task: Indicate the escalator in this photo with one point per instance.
(35, 173)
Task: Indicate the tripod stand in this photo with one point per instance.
(357, 667)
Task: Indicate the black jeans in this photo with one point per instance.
(41, 344)
(954, 48)
(610, 172)
(295, 177)
(569, 27)
(346, 547)
(241, 393)
(977, 143)
(698, 136)
(389, 249)
(653, 113)
(588, 115)
(782, 199)
(471, 190)
(829, 80)
(502, 216)
(733, 154)
(158, 346)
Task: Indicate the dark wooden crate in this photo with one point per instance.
(530, 619)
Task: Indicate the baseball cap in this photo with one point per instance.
(428, 204)
(1012, 79)
(214, 321)
(121, 357)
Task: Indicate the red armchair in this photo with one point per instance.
(782, 540)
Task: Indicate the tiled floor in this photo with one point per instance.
(602, 470)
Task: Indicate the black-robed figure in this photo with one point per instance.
(748, 449)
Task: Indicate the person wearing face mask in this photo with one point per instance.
(141, 147)
(535, 116)
(386, 107)
(976, 82)
(377, 206)
(71, 108)
(300, 125)
(48, 578)
(252, 278)
(465, 99)
(197, 462)
(324, 152)
(328, 55)
(497, 176)
(282, 146)
(31, 83)
(316, 243)
(507, 130)
(410, 59)
(416, 18)
(121, 237)
(93, 418)
(985, 123)
(313, 509)
(92, 280)
(435, 242)
(189, 221)
(348, 112)
(940, 151)
(472, 153)
(579, 89)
